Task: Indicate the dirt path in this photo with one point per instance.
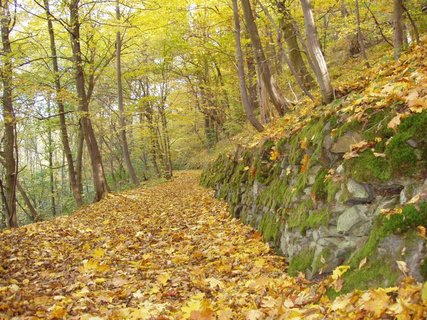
(167, 252)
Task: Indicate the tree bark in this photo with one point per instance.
(279, 101)
(320, 66)
(98, 174)
(398, 28)
(125, 146)
(61, 109)
(240, 68)
(10, 147)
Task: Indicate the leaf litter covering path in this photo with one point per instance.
(168, 252)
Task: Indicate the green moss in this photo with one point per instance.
(320, 185)
(401, 156)
(274, 193)
(409, 219)
(332, 188)
(317, 218)
(269, 227)
(347, 127)
(368, 168)
(301, 262)
(374, 274)
(317, 263)
(298, 216)
(377, 125)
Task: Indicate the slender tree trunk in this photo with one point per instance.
(51, 173)
(10, 147)
(98, 174)
(33, 212)
(320, 67)
(79, 162)
(360, 36)
(61, 109)
(398, 28)
(278, 100)
(166, 140)
(240, 68)
(125, 146)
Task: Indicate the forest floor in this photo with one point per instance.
(169, 252)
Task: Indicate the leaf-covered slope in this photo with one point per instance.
(168, 252)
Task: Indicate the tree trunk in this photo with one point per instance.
(166, 141)
(10, 147)
(51, 173)
(240, 68)
(98, 174)
(398, 28)
(279, 102)
(320, 67)
(123, 137)
(79, 162)
(61, 109)
(360, 36)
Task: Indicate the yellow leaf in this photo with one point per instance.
(304, 163)
(421, 230)
(254, 315)
(395, 122)
(376, 301)
(402, 266)
(339, 271)
(424, 293)
(274, 155)
(362, 262)
(304, 143)
(57, 312)
(98, 253)
(163, 278)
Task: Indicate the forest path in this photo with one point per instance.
(166, 252)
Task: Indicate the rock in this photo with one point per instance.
(327, 142)
(351, 217)
(340, 169)
(386, 204)
(412, 143)
(343, 143)
(357, 190)
(409, 191)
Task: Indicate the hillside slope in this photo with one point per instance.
(343, 183)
